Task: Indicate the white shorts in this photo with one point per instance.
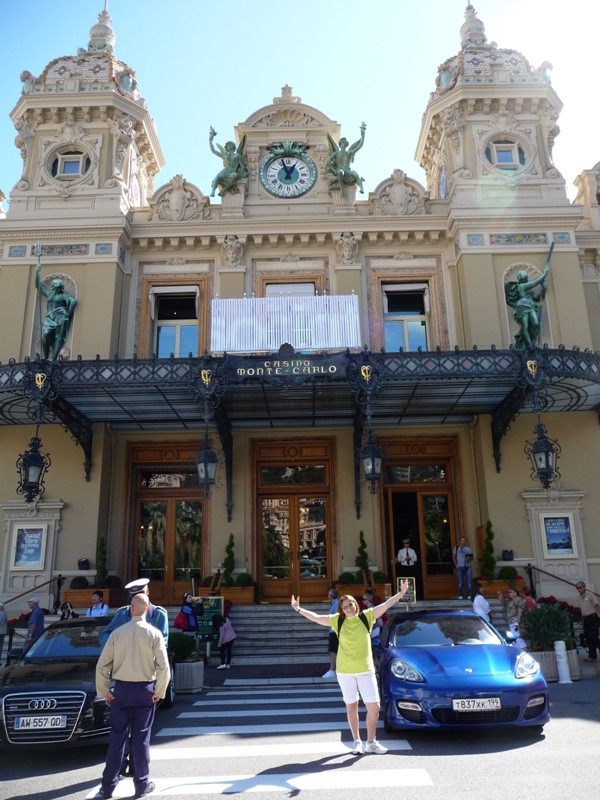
(363, 683)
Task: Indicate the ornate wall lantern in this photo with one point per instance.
(206, 464)
(372, 460)
(543, 453)
(32, 467)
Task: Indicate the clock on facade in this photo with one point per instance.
(288, 171)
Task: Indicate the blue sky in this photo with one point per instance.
(201, 63)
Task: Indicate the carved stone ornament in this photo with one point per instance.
(179, 201)
(74, 137)
(232, 251)
(123, 131)
(127, 84)
(399, 196)
(347, 248)
(26, 127)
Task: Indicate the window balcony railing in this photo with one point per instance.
(263, 324)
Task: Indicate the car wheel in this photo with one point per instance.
(170, 695)
(386, 722)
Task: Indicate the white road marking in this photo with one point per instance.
(334, 779)
(256, 729)
(267, 712)
(289, 699)
(321, 747)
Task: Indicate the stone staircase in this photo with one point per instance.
(274, 634)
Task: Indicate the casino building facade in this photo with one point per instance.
(290, 330)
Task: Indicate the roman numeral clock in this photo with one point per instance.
(288, 171)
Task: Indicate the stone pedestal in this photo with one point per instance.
(343, 206)
(232, 204)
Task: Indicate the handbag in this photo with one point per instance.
(181, 621)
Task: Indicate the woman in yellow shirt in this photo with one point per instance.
(355, 668)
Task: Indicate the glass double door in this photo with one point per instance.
(169, 545)
(294, 547)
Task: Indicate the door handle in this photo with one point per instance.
(166, 567)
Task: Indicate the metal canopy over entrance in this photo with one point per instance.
(297, 390)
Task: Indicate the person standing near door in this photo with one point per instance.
(407, 561)
(462, 557)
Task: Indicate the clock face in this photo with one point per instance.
(288, 176)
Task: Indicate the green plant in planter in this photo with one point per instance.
(207, 581)
(79, 582)
(347, 577)
(101, 568)
(229, 562)
(183, 647)
(113, 582)
(544, 625)
(380, 577)
(488, 560)
(509, 574)
(243, 580)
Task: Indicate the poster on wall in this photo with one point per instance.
(558, 539)
(29, 547)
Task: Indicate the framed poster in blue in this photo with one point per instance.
(29, 547)
(558, 538)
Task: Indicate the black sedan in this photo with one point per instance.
(49, 696)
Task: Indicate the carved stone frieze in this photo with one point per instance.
(179, 201)
(399, 196)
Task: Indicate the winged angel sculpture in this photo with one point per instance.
(235, 165)
(527, 304)
(338, 166)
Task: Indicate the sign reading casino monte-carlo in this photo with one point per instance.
(297, 366)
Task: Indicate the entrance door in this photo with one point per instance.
(169, 545)
(294, 550)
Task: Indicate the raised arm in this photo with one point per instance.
(320, 619)
(380, 610)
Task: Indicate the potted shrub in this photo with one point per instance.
(80, 592)
(488, 560)
(188, 663)
(541, 627)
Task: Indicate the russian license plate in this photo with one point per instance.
(476, 704)
(39, 723)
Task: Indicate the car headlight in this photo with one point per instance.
(526, 666)
(405, 671)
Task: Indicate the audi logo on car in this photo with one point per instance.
(43, 704)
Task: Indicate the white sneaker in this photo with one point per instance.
(375, 747)
(329, 674)
(228, 666)
(358, 748)
(222, 666)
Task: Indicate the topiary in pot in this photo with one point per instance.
(79, 582)
(488, 560)
(362, 559)
(229, 562)
(101, 571)
(243, 580)
(113, 582)
(380, 577)
(509, 574)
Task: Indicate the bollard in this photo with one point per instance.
(562, 662)
(208, 651)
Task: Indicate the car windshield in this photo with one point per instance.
(73, 641)
(442, 629)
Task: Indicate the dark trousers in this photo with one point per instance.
(132, 709)
(591, 626)
(225, 651)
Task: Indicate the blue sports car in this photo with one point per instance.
(453, 669)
